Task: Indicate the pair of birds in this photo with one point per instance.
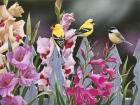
(86, 30)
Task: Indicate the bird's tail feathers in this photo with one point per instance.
(127, 42)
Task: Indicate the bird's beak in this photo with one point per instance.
(109, 31)
(52, 27)
(21, 41)
(93, 24)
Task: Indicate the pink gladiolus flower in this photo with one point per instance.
(110, 72)
(67, 19)
(28, 76)
(78, 77)
(20, 57)
(13, 100)
(112, 59)
(82, 95)
(97, 79)
(45, 48)
(106, 89)
(7, 83)
(97, 62)
(43, 83)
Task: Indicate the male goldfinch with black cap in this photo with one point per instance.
(59, 36)
(116, 37)
(86, 28)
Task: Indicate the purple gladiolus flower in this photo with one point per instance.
(7, 83)
(67, 19)
(28, 76)
(13, 100)
(20, 57)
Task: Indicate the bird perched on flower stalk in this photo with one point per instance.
(58, 36)
(85, 30)
(116, 37)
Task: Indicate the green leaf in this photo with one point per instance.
(57, 12)
(41, 100)
(125, 66)
(9, 45)
(28, 26)
(134, 96)
(24, 91)
(16, 90)
(5, 2)
(39, 95)
(35, 31)
(59, 97)
(111, 98)
(125, 92)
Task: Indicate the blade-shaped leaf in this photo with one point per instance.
(5, 2)
(59, 98)
(39, 95)
(24, 91)
(124, 66)
(9, 45)
(134, 95)
(28, 27)
(35, 31)
(125, 92)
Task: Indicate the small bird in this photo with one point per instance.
(116, 37)
(59, 36)
(86, 28)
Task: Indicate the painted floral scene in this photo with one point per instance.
(69, 52)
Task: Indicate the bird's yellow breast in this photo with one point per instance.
(88, 26)
(114, 39)
(58, 32)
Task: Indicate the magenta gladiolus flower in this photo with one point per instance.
(7, 83)
(28, 76)
(13, 100)
(110, 72)
(100, 62)
(97, 79)
(112, 59)
(82, 95)
(67, 19)
(20, 57)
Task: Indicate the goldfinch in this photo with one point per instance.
(86, 28)
(116, 37)
(58, 35)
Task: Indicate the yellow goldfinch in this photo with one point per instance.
(116, 37)
(87, 28)
(58, 35)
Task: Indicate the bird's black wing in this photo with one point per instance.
(84, 30)
(59, 41)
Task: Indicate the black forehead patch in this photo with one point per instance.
(112, 28)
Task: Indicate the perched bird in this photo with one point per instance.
(86, 28)
(116, 37)
(59, 36)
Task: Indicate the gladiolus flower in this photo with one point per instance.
(16, 10)
(97, 79)
(45, 48)
(8, 82)
(20, 57)
(43, 83)
(13, 100)
(28, 76)
(67, 19)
